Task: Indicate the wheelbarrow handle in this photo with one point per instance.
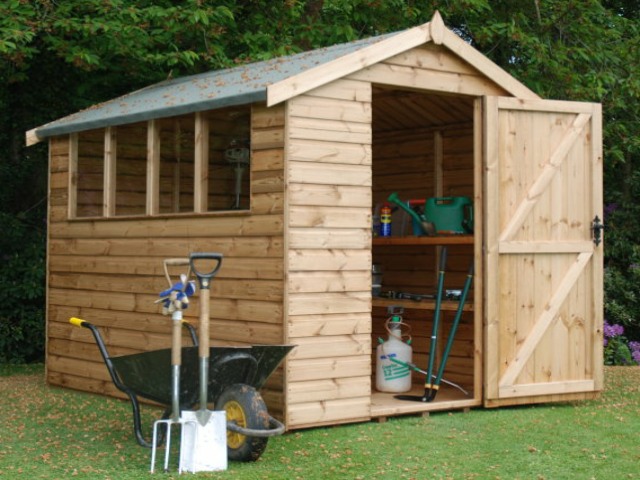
(77, 322)
(276, 428)
(205, 276)
(135, 406)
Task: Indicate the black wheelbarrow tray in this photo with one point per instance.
(235, 375)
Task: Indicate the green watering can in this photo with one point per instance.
(450, 214)
(421, 226)
(441, 214)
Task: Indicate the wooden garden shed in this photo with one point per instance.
(279, 165)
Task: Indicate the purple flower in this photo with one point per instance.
(611, 331)
(635, 351)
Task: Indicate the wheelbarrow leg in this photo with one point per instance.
(135, 405)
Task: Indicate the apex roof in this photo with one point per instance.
(272, 81)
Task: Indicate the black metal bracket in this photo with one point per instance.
(596, 230)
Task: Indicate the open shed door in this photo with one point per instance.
(543, 294)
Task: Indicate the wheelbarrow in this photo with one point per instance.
(235, 375)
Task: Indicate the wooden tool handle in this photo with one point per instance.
(176, 343)
(175, 262)
(203, 347)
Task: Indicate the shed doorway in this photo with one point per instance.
(425, 146)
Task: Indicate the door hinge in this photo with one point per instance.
(596, 230)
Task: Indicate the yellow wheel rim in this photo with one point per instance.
(235, 413)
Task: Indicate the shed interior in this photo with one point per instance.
(423, 147)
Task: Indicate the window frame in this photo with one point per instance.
(152, 181)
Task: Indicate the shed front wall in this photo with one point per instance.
(328, 230)
(109, 271)
(328, 254)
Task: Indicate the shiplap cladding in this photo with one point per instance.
(329, 254)
(109, 271)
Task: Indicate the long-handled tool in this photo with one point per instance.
(428, 385)
(432, 382)
(428, 382)
(204, 438)
(174, 300)
(452, 333)
(239, 158)
(415, 368)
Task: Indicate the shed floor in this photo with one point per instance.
(448, 398)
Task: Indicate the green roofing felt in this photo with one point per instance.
(206, 91)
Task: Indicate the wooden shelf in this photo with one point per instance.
(445, 305)
(435, 240)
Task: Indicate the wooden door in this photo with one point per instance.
(543, 294)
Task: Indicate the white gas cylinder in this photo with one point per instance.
(391, 376)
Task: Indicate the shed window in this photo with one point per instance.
(229, 157)
(191, 163)
(88, 181)
(177, 143)
(130, 169)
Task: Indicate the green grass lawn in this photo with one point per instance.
(53, 433)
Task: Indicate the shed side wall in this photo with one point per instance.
(109, 272)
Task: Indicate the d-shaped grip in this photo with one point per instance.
(204, 277)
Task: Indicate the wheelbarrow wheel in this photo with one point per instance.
(245, 407)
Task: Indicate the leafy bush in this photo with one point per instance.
(622, 268)
(22, 281)
(617, 349)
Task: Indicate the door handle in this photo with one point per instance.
(596, 230)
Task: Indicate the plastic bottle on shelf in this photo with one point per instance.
(385, 220)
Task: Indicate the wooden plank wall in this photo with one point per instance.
(430, 67)
(109, 271)
(328, 255)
